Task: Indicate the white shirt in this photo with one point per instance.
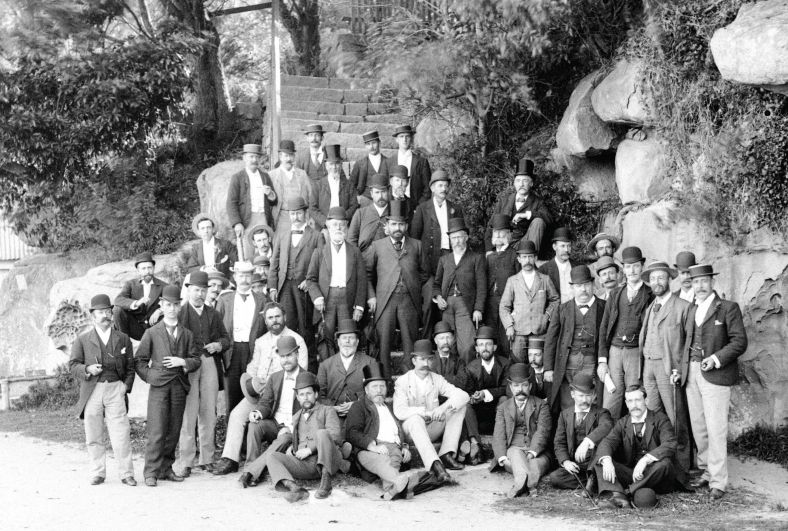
(295, 239)
(405, 158)
(196, 309)
(243, 315)
(662, 299)
(518, 203)
(442, 214)
(632, 291)
(457, 257)
(146, 286)
(703, 309)
(379, 210)
(316, 154)
(375, 160)
(256, 191)
(333, 186)
(209, 251)
(589, 304)
(387, 427)
(529, 278)
(346, 361)
(284, 411)
(688, 295)
(563, 275)
(265, 360)
(104, 336)
(338, 266)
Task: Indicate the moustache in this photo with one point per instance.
(521, 393)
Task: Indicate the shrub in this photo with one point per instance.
(763, 442)
(63, 394)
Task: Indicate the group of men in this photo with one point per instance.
(325, 267)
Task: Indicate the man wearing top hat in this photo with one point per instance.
(418, 166)
(250, 196)
(460, 287)
(260, 239)
(365, 168)
(424, 419)
(607, 275)
(394, 269)
(290, 184)
(521, 440)
(333, 190)
(210, 340)
(369, 223)
(603, 245)
(619, 332)
(571, 342)
(502, 263)
(529, 215)
(527, 302)
(540, 387)
(137, 305)
(101, 360)
(579, 430)
(313, 161)
(709, 369)
(398, 184)
(685, 260)
(209, 250)
(560, 266)
(166, 354)
(447, 363)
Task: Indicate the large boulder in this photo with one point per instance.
(581, 132)
(595, 177)
(212, 185)
(753, 49)
(438, 131)
(640, 168)
(620, 97)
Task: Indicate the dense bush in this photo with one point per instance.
(763, 442)
(64, 393)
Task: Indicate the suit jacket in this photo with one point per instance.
(306, 189)
(363, 424)
(363, 170)
(225, 254)
(303, 161)
(537, 417)
(470, 275)
(506, 205)
(364, 226)
(337, 385)
(268, 402)
(597, 424)
(672, 329)
(347, 200)
(408, 401)
(454, 370)
(326, 419)
(385, 266)
(277, 273)
(659, 439)
(526, 310)
(550, 268)
(722, 335)
(87, 351)
(500, 266)
(425, 228)
(155, 346)
(409, 206)
(216, 332)
(500, 372)
(132, 291)
(239, 201)
(607, 328)
(226, 306)
(420, 174)
(318, 276)
(558, 340)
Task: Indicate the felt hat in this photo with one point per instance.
(603, 236)
(606, 262)
(171, 294)
(257, 277)
(486, 332)
(399, 171)
(287, 146)
(257, 149)
(701, 270)
(295, 203)
(439, 175)
(370, 137)
(286, 344)
(251, 387)
(379, 181)
(501, 222)
(657, 266)
(397, 210)
(373, 372)
(580, 275)
(242, 267)
(685, 260)
(202, 216)
(100, 302)
(456, 225)
(526, 247)
(314, 128)
(257, 228)
(306, 379)
(403, 130)
(645, 498)
(338, 213)
(525, 167)
(346, 326)
(261, 261)
(144, 257)
(333, 153)
(561, 234)
(218, 275)
(198, 278)
(583, 382)
(423, 347)
(631, 255)
(535, 342)
(521, 372)
(441, 327)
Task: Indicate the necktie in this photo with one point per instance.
(337, 247)
(443, 365)
(657, 306)
(314, 159)
(171, 331)
(398, 246)
(638, 429)
(579, 418)
(243, 296)
(296, 232)
(584, 306)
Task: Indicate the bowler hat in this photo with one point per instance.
(242, 267)
(257, 277)
(257, 149)
(370, 137)
(701, 270)
(486, 332)
(397, 210)
(295, 203)
(399, 171)
(373, 372)
(171, 294)
(580, 275)
(456, 225)
(202, 216)
(439, 175)
(631, 255)
(306, 379)
(346, 326)
(645, 498)
(338, 213)
(441, 327)
(285, 345)
(535, 342)
(198, 278)
(605, 262)
(251, 387)
(257, 228)
(379, 181)
(287, 146)
(333, 153)
(261, 260)
(526, 247)
(218, 275)
(525, 167)
(144, 257)
(521, 372)
(603, 236)
(404, 130)
(422, 347)
(684, 260)
(100, 302)
(501, 222)
(561, 234)
(583, 382)
(313, 128)
(657, 266)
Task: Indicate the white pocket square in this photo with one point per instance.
(123, 350)
(717, 323)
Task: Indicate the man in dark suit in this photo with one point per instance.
(685, 260)
(417, 165)
(460, 287)
(521, 439)
(210, 250)
(559, 267)
(529, 215)
(619, 332)
(447, 363)
(394, 269)
(369, 223)
(502, 263)
(709, 368)
(604, 245)
(313, 161)
(165, 356)
(137, 305)
(572, 339)
(333, 190)
(637, 453)
(365, 168)
(535, 352)
(250, 197)
(579, 431)
(102, 361)
(398, 184)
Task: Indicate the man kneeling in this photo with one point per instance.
(637, 453)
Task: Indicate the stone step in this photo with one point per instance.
(299, 115)
(393, 118)
(384, 129)
(313, 94)
(329, 126)
(320, 107)
(305, 81)
(343, 139)
(325, 82)
(365, 109)
(355, 153)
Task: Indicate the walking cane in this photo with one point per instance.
(675, 398)
(588, 494)
(239, 244)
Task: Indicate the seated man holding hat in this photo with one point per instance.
(209, 250)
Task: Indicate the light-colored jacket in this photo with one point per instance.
(673, 328)
(409, 401)
(528, 310)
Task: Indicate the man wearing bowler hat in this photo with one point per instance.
(619, 332)
(369, 223)
(710, 368)
(529, 300)
(460, 287)
(398, 184)
(209, 251)
(137, 305)
(607, 272)
(418, 166)
(333, 190)
(603, 245)
(572, 338)
(313, 160)
(530, 217)
(290, 184)
(365, 168)
(447, 363)
(166, 355)
(250, 197)
(541, 388)
(560, 266)
(210, 340)
(101, 360)
(685, 260)
(502, 263)
(522, 433)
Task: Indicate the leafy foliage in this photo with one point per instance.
(763, 442)
(63, 393)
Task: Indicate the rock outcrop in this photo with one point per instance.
(439, 131)
(640, 169)
(620, 97)
(212, 185)
(581, 132)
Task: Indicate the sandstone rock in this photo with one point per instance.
(212, 186)
(620, 97)
(581, 132)
(640, 170)
(753, 49)
(595, 177)
(438, 131)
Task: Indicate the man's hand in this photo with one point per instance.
(302, 285)
(601, 370)
(239, 230)
(272, 294)
(140, 302)
(503, 460)
(571, 467)
(510, 333)
(214, 347)
(675, 378)
(438, 414)
(282, 431)
(173, 361)
(707, 364)
(342, 409)
(405, 455)
(477, 317)
(268, 191)
(441, 302)
(358, 313)
(548, 376)
(372, 303)
(608, 470)
(154, 317)
(320, 304)
(582, 450)
(255, 416)
(303, 453)
(640, 468)
(94, 369)
(381, 449)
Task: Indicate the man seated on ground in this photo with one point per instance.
(580, 430)
(637, 454)
(416, 396)
(209, 250)
(522, 433)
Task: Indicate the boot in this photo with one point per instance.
(439, 471)
(324, 490)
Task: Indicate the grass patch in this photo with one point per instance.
(762, 442)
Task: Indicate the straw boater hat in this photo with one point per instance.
(202, 216)
(603, 236)
(372, 136)
(257, 149)
(403, 130)
(702, 270)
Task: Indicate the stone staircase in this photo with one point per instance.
(346, 108)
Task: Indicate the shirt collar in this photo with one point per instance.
(663, 298)
(589, 303)
(378, 209)
(705, 305)
(565, 266)
(503, 248)
(488, 364)
(636, 287)
(643, 419)
(104, 335)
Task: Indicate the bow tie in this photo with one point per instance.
(296, 232)
(586, 306)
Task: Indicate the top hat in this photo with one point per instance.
(561, 234)
(251, 387)
(202, 216)
(287, 146)
(370, 137)
(198, 278)
(305, 379)
(144, 257)
(397, 210)
(657, 266)
(337, 212)
(346, 326)
(295, 203)
(171, 294)
(521, 372)
(422, 347)
(242, 267)
(373, 372)
(701, 270)
(285, 345)
(580, 275)
(100, 302)
(501, 222)
(605, 262)
(261, 260)
(645, 498)
(535, 343)
(684, 260)
(602, 236)
(526, 247)
(404, 130)
(218, 275)
(257, 149)
(525, 167)
(439, 175)
(379, 181)
(314, 128)
(441, 327)
(631, 255)
(333, 153)
(583, 382)
(457, 225)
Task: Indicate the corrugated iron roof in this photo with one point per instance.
(11, 247)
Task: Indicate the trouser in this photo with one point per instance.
(255, 219)
(257, 466)
(299, 310)
(519, 350)
(708, 410)
(400, 311)
(165, 416)
(535, 233)
(624, 367)
(107, 403)
(336, 309)
(422, 434)
(232, 377)
(259, 434)
(659, 476)
(526, 470)
(286, 466)
(236, 425)
(130, 322)
(492, 318)
(458, 316)
(386, 467)
(200, 413)
(480, 419)
(562, 479)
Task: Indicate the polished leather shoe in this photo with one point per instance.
(186, 472)
(130, 481)
(439, 471)
(151, 481)
(716, 494)
(516, 491)
(246, 480)
(170, 475)
(699, 483)
(324, 490)
(98, 480)
(225, 466)
(618, 501)
(451, 463)
(463, 451)
(591, 487)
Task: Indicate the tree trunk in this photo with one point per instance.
(301, 18)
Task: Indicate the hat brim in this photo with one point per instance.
(290, 151)
(170, 300)
(588, 391)
(138, 262)
(597, 239)
(102, 307)
(202, 217)
(582, 281)
(608, 266)
(375, 379)
(712, 274)
(518, 380)
(255, 228)
(644, 276)
(340, 332)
